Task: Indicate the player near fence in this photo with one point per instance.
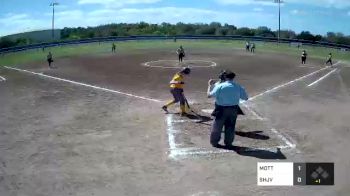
(113, 47)
(181, 53)
(50, 59)
(329, 59)
(176, 89)
(303, 57)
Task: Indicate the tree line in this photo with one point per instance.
(167, 29)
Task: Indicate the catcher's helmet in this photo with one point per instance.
(186, 70)
(222, 75)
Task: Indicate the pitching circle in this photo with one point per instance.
(174, 64)
(2, 79)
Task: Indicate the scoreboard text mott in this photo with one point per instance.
(290, 174)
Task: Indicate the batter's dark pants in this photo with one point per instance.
(178, 95)
(225, 119)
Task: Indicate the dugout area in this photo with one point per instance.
(94, 124)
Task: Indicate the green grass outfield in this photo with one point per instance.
(105, 48)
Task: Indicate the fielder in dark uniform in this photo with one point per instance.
(330, 59)
(113, 47)
(252, 48)
(227, 96)
(181, 53)
(49, 59)
(303, 57)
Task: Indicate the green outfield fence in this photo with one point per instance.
(179, 37)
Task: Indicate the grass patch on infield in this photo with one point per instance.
(128, 46)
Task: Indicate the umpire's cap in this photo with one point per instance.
(186, 70)
(230, 75)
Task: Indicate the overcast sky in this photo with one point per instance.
(316, 16)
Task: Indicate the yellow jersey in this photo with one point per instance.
(177, 81)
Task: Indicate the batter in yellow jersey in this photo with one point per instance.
(176, 89)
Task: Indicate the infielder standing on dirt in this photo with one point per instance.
(176, 89)
(181, 53)
(330, 59)
(49, 59)
(227, 96)
(303, 57)
(252, 48)
(247, 46)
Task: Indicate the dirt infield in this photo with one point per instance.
(93, 125)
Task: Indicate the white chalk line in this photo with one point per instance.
(306, 66)
(187, 152)
(85, 85)
(189, 62)
(176, 152)
(283, 138)
(258, 116)
(2, 79)
(289, 144)
(286, 84)
(322, 78)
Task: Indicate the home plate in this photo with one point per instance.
(208, 111)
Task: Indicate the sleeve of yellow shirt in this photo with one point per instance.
(177, 81)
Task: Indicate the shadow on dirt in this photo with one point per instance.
(253, 135)
(257, 153)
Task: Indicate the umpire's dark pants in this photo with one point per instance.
(225, 118)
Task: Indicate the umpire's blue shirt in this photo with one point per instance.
(228, 93)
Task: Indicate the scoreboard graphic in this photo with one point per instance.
(291, 174)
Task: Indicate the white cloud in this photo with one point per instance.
(258, 9)
(117, 3)
(13, 23)
(295, 12)
(247, 2)
(158, 15)
(340, 4)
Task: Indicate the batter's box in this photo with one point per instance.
(190, 136)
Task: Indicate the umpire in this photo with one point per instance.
(227, 96)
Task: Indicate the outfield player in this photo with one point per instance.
(49, 59)
(329, 59)
(181, 53)
(176, 89)
(303, 57)
(113, 47)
